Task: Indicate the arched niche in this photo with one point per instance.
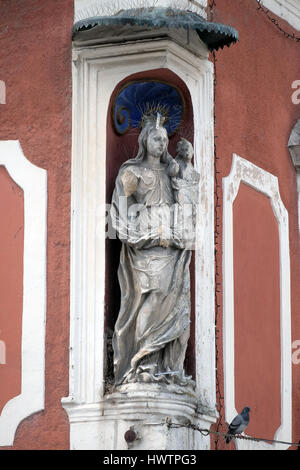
(121, 147)
(98, 420)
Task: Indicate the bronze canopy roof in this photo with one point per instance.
(214, 35)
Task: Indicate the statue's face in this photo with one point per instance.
(157, 142)
(186, 151)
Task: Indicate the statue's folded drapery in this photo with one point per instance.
(152, 329)
(153, 326)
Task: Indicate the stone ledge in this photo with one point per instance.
(141, 402)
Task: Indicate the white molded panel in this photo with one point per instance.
(33, 181)
(244, 171)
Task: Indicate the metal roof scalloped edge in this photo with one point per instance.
(215, 35)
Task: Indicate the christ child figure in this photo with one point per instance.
(186, 191)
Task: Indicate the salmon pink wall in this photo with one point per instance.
(35, 65)
(11, 282)
(254, 118)
(120, 149)
(257, 311)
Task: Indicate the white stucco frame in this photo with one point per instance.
(96, 72)
(266, 183)
(294, 149)
(33, 181)
(288, 10)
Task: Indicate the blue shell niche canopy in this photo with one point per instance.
(214, 35)
(139, 99)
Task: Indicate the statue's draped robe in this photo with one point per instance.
(152, 329)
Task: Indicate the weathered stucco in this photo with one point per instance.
(36, 69)
(254, 118)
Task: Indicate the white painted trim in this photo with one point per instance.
(33, 181)
(266, 183)
(288, 10)
(2, 92)
(294, 149)
(96, 72)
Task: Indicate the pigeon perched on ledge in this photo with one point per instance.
(239, 424)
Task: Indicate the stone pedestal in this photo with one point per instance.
(159, 417)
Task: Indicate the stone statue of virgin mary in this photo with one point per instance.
(153, 327)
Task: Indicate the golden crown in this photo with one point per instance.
(155, 115)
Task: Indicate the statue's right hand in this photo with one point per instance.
(130, 183)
